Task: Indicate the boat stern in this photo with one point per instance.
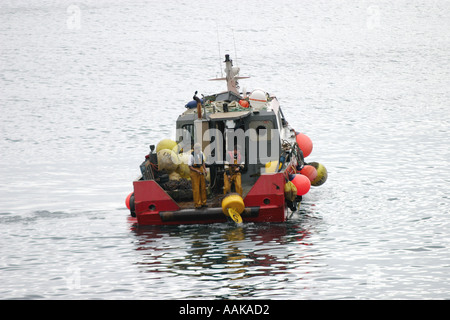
(267, 194)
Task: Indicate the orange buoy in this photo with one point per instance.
(127, 200)
(310, 172)
(244, 103)
(302, 183)
(304, 143)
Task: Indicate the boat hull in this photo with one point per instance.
(265, 202)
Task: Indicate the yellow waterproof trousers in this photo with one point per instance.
(234, 178)
(198, 187)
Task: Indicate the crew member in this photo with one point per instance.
(197, 169)
(232, 173)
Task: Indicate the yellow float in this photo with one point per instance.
(183, 168)
(232, 206)
(271, 166)
(167, 160)
(290, 191)
(322, 174)
(174, 176)
(165, 144)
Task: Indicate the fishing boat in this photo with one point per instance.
(273, 172)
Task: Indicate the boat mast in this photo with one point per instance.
(231, 75)
(231, 72)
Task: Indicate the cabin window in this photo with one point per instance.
(280, 119)
(264, 143)
(189, 128)
(262, 130)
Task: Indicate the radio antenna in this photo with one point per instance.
(235, 51)
(220, 55)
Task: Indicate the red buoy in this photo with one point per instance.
(302, 183)
(310, 172)
(304, 143)
(127, 200)
(244, 103)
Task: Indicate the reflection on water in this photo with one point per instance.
(81, 101)
(225, 254)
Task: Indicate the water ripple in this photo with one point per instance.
(80, 107)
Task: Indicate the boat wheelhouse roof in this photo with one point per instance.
(213, 108)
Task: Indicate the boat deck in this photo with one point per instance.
(213, 201)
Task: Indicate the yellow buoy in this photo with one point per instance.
(233, 214)
(232, 206)
(290, 191)
(183, 168)
(322, 174)
(177, 149)
(174, 176)
(167, 160)
(165, 144)
(271, 166)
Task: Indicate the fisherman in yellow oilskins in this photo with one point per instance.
(197, 169)
(232, 173)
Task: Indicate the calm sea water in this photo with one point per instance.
(87, 86)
